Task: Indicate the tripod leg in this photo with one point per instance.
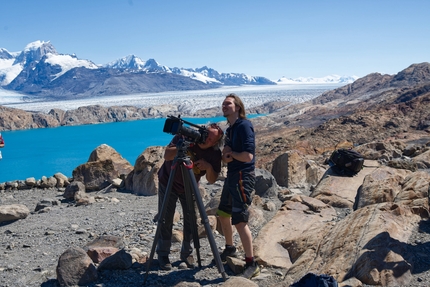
(161, 215)
(191, 211)
(192, 180)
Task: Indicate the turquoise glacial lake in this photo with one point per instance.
(44, 152)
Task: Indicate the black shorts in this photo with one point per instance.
(236, 196)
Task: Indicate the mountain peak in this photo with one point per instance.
(34, 52)
(5, 54)
(131, 62)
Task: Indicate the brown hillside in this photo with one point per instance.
(374, 108)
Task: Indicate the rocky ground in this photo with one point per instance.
(30, 248)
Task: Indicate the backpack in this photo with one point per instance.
(314, 280)
(346, 161)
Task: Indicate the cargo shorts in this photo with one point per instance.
(236, 196)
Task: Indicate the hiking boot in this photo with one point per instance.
(251, 271)
(189, 261)
(164, 263)
(228, 252)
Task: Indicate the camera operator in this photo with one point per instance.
(207, 161)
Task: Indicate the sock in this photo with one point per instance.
(249, 261)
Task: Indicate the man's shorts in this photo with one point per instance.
(236, 196)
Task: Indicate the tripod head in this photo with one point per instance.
(182, 147)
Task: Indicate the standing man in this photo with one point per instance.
(206, 158)
(239, 154)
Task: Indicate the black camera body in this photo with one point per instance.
(175, 126)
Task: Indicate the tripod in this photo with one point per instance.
(192, 193)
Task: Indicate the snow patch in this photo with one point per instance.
(67, 62)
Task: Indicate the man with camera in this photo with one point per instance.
(206, 158)
(239, 154)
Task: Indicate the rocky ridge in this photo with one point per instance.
(370, 229)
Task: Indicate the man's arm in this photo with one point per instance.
(211, 175)
(171, 149)
(170, 152)
(242, 156)
(228, 155)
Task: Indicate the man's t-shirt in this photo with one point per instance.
(211, 155)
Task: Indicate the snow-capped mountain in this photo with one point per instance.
(66, 63)
(204, 74)
(14, 66)
(8, 71)
(134, 63)
(194, 74)
(332, 79)
(39, 70)
(34, 52)
(5, 54)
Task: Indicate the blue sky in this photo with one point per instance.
(271, 38)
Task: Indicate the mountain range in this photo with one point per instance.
(40, 71)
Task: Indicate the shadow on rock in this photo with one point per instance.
(399, 258)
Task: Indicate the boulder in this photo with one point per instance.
(296, 215)
(31, 181)
(13, 212)
(341, 191)
(423, 158)
(96, 175)
(143, 180)
(48, 182)
(46, 203)
(265, 184)
(62, 180)
(396, 185)
(370, 244)
(120, 260)
(74, 190)
(294, 170)
(75, 267)
(105, 152)
(105, 241)
(289, 169)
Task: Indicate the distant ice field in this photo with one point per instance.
(191, 100)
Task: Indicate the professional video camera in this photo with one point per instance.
(175, 125)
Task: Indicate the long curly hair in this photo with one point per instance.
(238, 102)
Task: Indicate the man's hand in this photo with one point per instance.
(170, 152)
(202, 164)
(226, 154)
(211, 175)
